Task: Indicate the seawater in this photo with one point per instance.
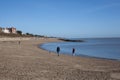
(108, 48)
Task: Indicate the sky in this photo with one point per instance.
(63, 18)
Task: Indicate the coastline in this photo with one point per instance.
(86, 56)
(80, 55)
(28, 62)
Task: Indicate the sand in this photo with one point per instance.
(28, 62)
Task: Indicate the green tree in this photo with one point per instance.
(19, 32)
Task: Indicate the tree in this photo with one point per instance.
(19, 32)
(27, 33)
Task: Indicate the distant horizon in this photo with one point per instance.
(86, 37)
(67, 37)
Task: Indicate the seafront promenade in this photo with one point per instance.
(26, 61)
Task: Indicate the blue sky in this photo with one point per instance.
(63, 18)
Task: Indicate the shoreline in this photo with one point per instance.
(81, 55)
(85, 56)
(28, 62)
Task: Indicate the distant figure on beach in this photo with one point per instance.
(58, 50)
(19, 42)
(73, 51)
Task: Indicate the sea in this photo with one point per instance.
(105, 48)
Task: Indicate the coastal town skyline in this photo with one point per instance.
(63, 18)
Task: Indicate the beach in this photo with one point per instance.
(26, 61)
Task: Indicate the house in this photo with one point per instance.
(9, 30)
(5, 30)
(13, 30)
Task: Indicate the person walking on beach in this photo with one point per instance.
(58, 50)
(19, 42)
(73, 51)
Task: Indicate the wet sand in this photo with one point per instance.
(25, 61)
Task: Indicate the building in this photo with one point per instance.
(12, 30)
(9, 30)
(5, 30)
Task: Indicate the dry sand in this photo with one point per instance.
(27, 62)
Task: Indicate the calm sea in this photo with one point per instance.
(108, 48)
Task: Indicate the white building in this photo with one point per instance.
(9, 30)
(5, 30)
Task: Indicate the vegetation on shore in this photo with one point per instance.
(19, 34)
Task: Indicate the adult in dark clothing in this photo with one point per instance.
(58, 50)
(73, 51)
